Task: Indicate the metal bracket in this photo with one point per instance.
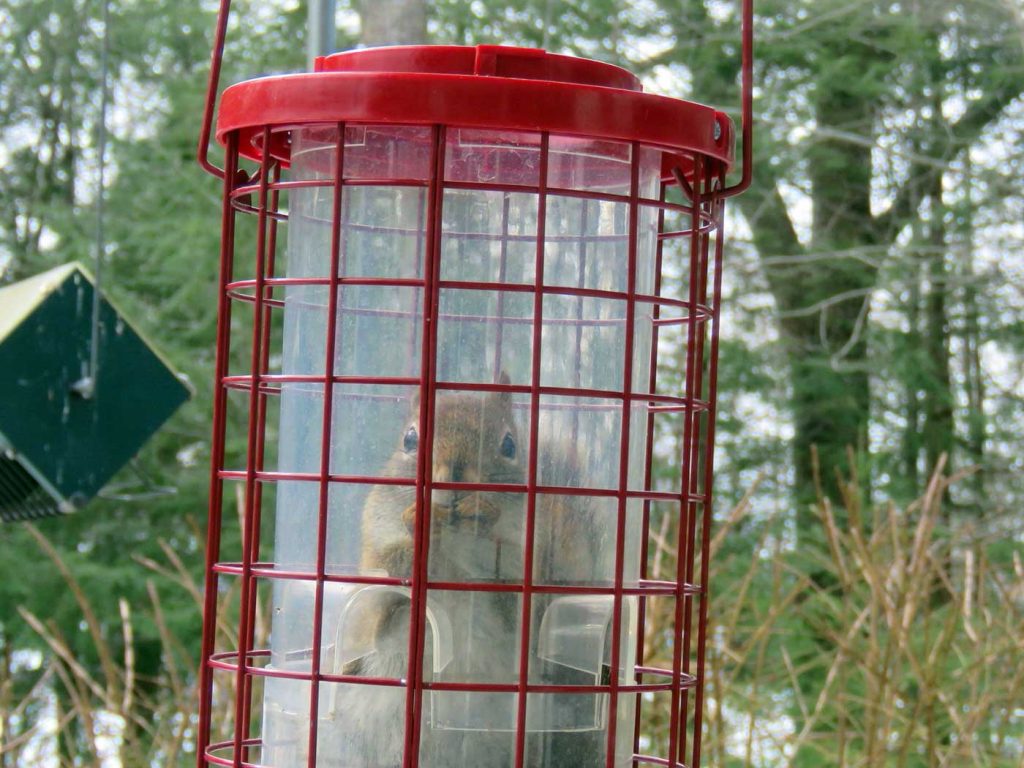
(217, 56)
(747, 70)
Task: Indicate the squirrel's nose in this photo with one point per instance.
(450, 473)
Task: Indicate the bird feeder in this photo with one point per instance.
(449, 392)
(62, 436)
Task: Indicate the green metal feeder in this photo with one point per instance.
(65, 430)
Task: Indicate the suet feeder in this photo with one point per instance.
(63, 432)
(452, 389)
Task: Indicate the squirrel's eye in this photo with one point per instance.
(508, 446)
(411, 440)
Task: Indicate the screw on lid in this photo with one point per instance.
(483, 61)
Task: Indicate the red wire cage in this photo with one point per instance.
(449, 396)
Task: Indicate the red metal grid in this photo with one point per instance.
(699, 316)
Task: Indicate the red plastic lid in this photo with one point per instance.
(487, 86)
(484, 60)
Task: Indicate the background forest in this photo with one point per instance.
(868, 571)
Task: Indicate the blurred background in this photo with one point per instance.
(867, 578)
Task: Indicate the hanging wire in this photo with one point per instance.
(320, 40)
(545, 42)
(86, 386)
(101, 148)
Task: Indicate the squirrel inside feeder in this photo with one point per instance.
(474, 536)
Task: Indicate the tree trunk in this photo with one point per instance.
(911, 447)
(938, 431)
(393, 22)
(825, 305)
(973, 380)
(938, 399)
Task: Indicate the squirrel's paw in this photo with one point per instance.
(473, 511)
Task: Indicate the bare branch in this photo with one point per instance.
(831, 301)
(963, 132)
